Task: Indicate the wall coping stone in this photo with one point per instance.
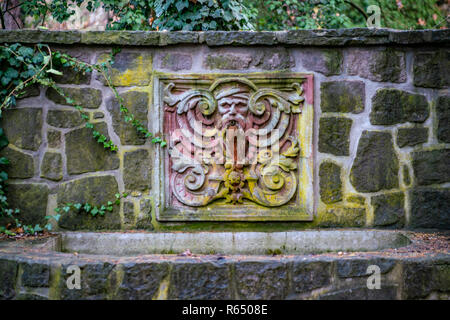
(330, 37)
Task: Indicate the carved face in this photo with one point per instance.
(233, 107)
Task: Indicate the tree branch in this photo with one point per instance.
(354, 5)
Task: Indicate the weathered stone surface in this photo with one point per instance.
(137, 104)
(141, 281)
(441, 275)
(35, 275)
(86, 97)
(64, 118)
(121, 37)
(376, 164)
(408, 137)
(342, 217)
(431, 167)
(8, 271)
(137, 170)
(41, 36)
(377, 65)
(265, 58)
(227, 61)
(31, 91)
(348, 268)
(98, 115)
(443, 118)
(389, 210)
(144, 218)
(176, 61)
(96, 281)
(95, 191)
(23, 127)
(429, 208)
(273, 59)
(342, 96)
(391, 106)
(310, 275)
(261, 280)
(54, 138)
(334, 135)
(128, 213)
(20, 164)
(70, 75)
(51, 167)
(417, 279)
(431, 69)
(199, 281)
(330, 182)
(362, 293)
(31, 200)
(220, 38)
(331, 37)
(357, 199)
(326, 61)
(85, 154)
(129, 68)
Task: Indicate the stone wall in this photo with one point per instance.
(381, 131)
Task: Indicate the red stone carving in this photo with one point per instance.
(232, 141)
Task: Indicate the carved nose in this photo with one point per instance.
(233, 109)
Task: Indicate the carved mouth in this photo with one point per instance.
(234, 122)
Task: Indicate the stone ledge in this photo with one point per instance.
(34, 269)
(332, 37)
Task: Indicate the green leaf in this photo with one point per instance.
(53, 71)
(94, 211)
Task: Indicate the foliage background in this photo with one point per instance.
(220, 14)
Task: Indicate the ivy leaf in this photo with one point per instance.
(180, 5)
(53, 71)
(87, 207)
(94, 211)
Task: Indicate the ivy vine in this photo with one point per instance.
(23, 66)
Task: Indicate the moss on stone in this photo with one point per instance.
(86, 97)
(23, 127)
(330, 182)
(334, 135)
(342, 96)
(96, 190)
(389, 210)
(85, 154)
(20, 165)
(129, 69)
(392, 106)
(376, 164)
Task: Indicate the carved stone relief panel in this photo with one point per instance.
(239, 147)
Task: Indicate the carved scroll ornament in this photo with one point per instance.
(233, 141)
